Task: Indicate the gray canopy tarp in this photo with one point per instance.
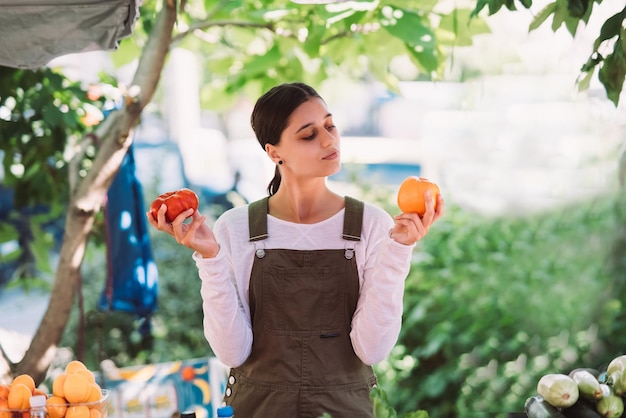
(33, 32)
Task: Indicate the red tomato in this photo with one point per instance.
(177, 202)
(411, 194)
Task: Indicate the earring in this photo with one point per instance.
(280, 162)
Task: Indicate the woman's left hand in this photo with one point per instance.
(410, 227)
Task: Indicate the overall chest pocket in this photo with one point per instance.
(304, 300)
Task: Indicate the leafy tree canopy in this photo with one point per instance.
(247, 46)
(608, 56)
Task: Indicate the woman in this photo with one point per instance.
(302, 290)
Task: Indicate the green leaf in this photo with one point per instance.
(613, 71)
(427, 60)
(52, 115)
(408, 26)
(572, 23)
(7, 232)
(262, 63)
(419, 38)
(33, 171)
(417, 414)
(356, 18)
(55, 81)
(587, 15)
(560, 14)
(577, 8)
(592, 62)
(461, 27)
(495, 5)
(126, 52)
(480, 4)
(610, 29)
(542, 16)
(492, 6)
(314, 39)
(584, 82)
(382, 407)
(510, 4)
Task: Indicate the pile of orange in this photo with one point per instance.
(16, 395)
(75, 394)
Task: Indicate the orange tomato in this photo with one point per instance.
(411, 194)
(177, 202)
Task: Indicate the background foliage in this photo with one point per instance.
(608, 56)
(491, 305)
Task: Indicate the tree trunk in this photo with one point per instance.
(87, 198)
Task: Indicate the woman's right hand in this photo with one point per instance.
(195, 235)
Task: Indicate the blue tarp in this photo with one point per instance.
(132, 276)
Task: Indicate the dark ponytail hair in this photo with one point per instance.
(271, 114)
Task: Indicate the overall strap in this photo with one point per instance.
(352, 223)
(257, 219)
(353, 219)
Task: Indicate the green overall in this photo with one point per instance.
(302, 362)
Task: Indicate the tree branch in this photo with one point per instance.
(89, 194)
(6, 365)
(208, 24)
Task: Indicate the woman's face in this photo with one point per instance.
(309, 145)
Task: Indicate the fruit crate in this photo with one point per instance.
(97, 409)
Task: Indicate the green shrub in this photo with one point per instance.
(493, 304)
(490, 306)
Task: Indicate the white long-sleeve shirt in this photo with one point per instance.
(383, 265)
